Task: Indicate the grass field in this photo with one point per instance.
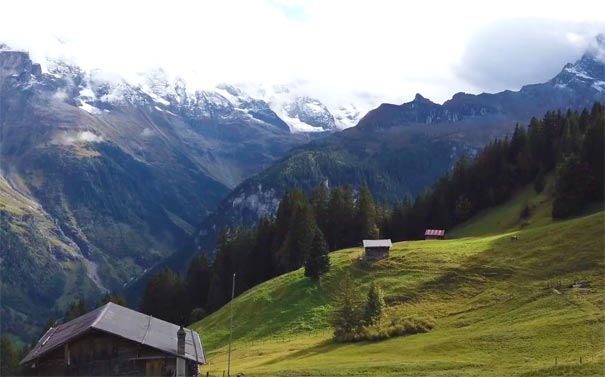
(496, 313)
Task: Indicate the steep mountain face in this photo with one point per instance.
(301, 112)
(402, 149)
(100, 179)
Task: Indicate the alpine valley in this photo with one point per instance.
(102, 178)
(400, 150)
(104, 181)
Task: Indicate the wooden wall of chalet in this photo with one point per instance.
(376, 253)
(100, 354)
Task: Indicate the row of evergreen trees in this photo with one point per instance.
(569, 144)
(305, 228)
(301, 234)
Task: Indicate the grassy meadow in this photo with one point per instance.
(492, 298)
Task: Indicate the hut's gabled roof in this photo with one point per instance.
(377, 243)
(126, 323)
(434, 232)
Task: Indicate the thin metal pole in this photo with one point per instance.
(231, 325)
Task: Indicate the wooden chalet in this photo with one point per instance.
(376, 249)
(116, 341)
(434, 234)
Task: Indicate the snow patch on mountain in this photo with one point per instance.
(89, 109)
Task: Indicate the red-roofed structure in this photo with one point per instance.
(434, 234)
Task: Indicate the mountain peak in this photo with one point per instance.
(419, 97)
(596, 49)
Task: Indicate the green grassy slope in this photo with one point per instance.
(489, 296)
(506, 217)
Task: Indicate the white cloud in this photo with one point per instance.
(342, 51)
(510, 53)
(79, 138)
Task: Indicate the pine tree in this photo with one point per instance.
(367, 215)
(222, 272)
(116, 299)
(317, 262)
(342, 226)
(573, 185)
(197, 282)
(262, 261)
(297, 245)
(76, 309)
(539, 181)
(592, 151)
(320, 201)
(464, 208)
(9, 357)
(164, 297)
(346, 316)
(374, 305)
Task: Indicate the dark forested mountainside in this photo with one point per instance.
(569, 144)
(402, 149)
(398, 150)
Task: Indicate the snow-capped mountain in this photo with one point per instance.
(401, 149)
(300, 113)
(586, 72)
(106, 176)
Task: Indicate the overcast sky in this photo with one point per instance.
(384, 51)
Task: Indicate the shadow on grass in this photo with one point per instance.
(320, 348)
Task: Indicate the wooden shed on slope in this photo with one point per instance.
(376, 249)
(434, 234)
(116, 341)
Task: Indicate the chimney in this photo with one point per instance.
(180, 350)
(180, 344)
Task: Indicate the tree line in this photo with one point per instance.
(303, 231)
(305, 228)
(568, 144)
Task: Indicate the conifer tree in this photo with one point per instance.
(317, 262)
(573, 185)
(197, 282)
(346, 316)
(299, 238)
(262, 260)
(367, 215)
(116, 299)
(76, 309)
(320, 200)
(374, 305)
(9, 357)
(164, 297)
(463, 209)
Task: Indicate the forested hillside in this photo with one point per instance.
(566, 144)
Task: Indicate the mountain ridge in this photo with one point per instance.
(78, 145)
(401, 149)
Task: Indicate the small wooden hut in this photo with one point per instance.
(376, 249)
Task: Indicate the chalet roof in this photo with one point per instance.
(377, 243)
(126, 323)
(434, 232)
